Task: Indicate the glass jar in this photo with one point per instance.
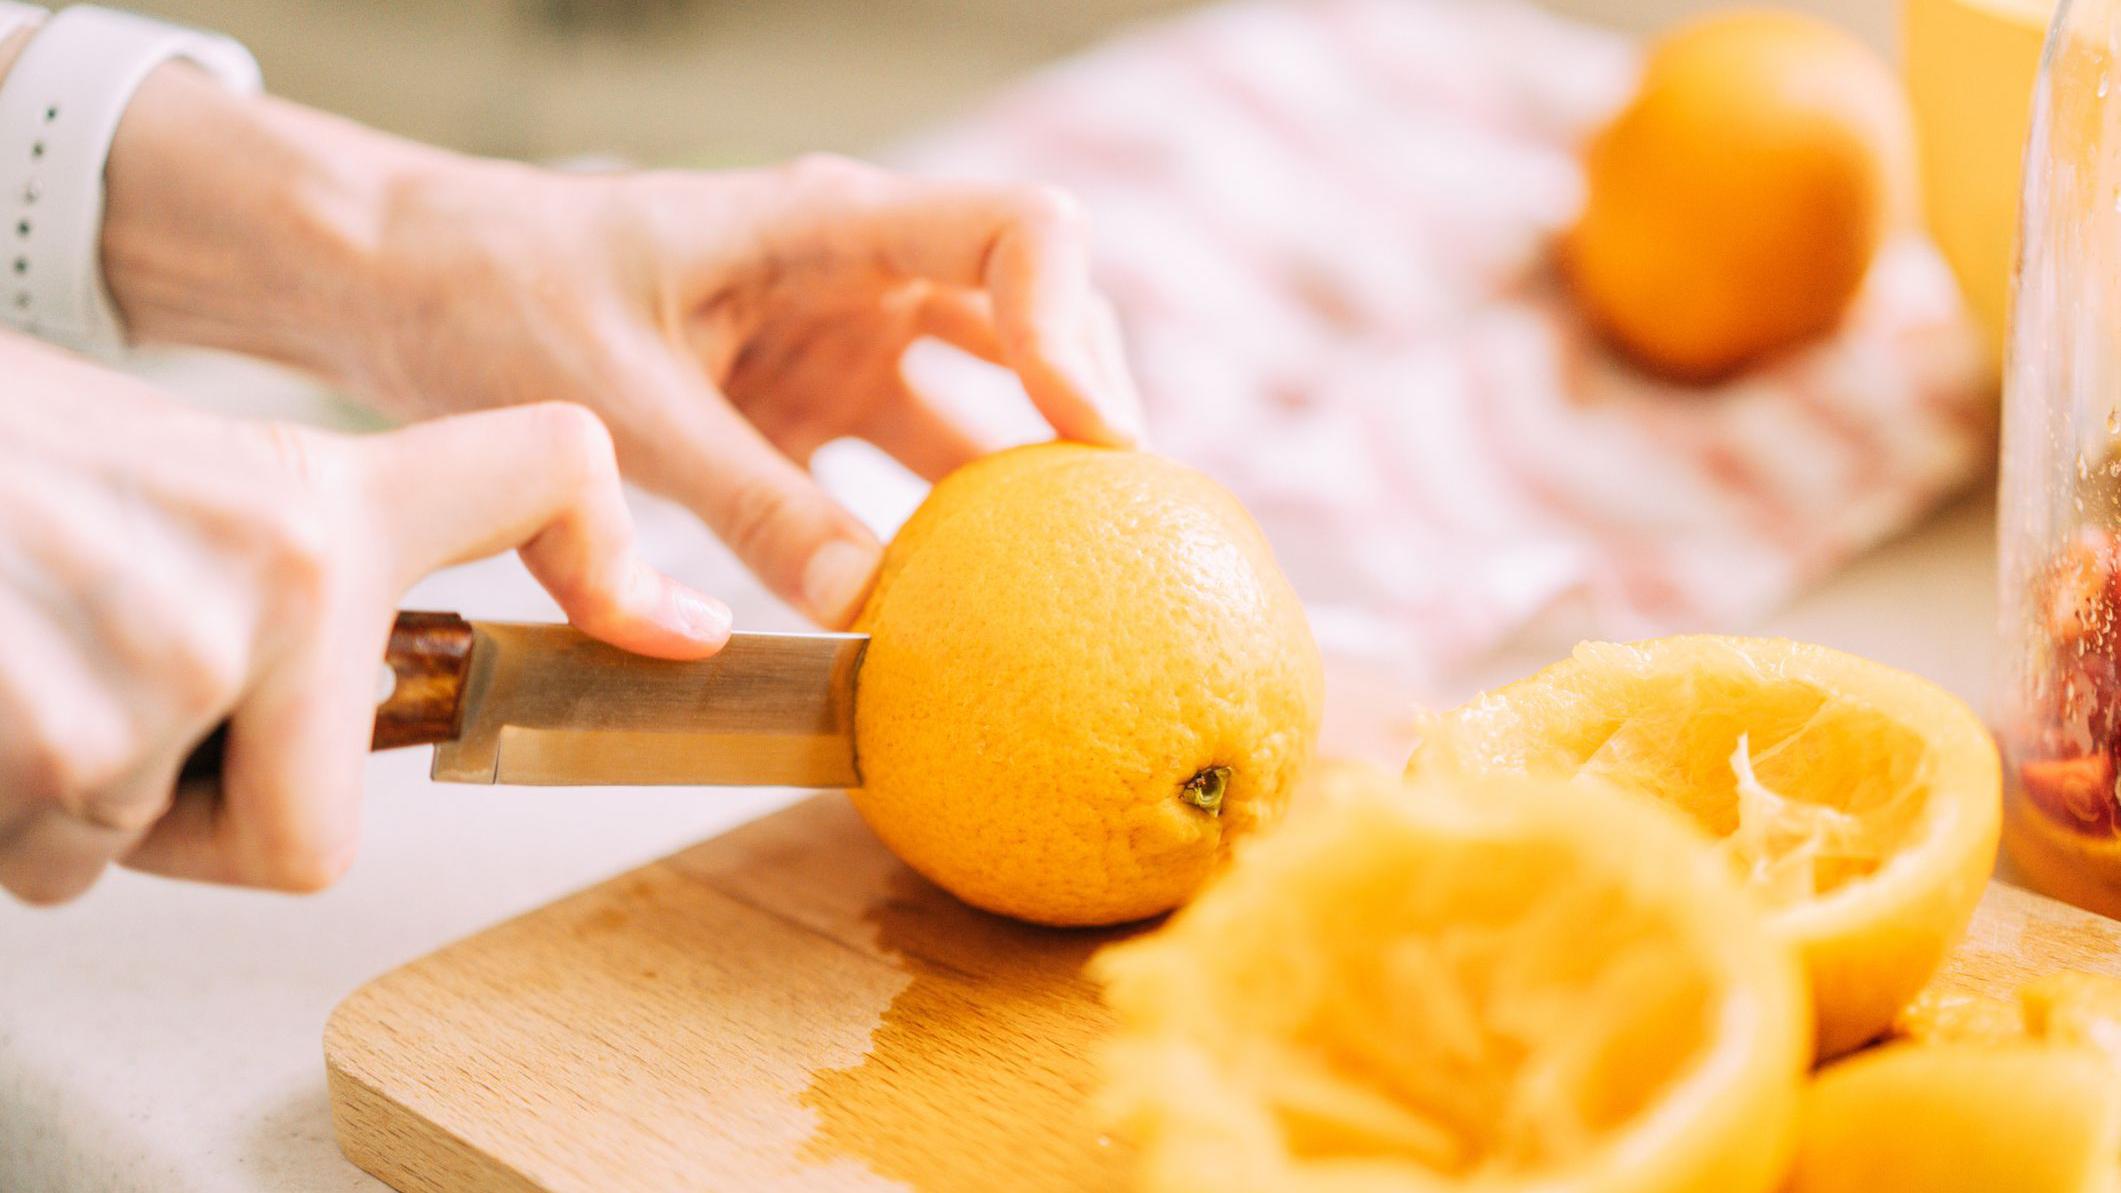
(2060, 535)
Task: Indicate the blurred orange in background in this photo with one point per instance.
(1734, 206)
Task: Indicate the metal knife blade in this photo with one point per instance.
(547, 705)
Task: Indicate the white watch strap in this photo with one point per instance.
(59, 108)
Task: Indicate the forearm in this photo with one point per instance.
(11, 45)
(249, 223)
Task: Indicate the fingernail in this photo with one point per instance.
(1124, 400)
(1125, 416)
(837, 578)
(1109, 389)
(701, 617)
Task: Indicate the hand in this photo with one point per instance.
(723, 325)
(162, 570)
(728, 325)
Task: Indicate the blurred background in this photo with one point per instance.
(1345, 248)
(707, 82)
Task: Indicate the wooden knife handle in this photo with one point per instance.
(430, 657)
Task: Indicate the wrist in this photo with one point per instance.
(11, 45)
(250, 224)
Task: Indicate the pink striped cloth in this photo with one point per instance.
(1327, 225)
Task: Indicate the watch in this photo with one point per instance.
(59, 108)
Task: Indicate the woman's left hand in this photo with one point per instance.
(724, 325)
(728, 325)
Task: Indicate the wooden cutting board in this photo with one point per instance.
(788, 1007)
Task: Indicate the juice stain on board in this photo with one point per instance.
(980, 1074)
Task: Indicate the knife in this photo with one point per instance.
(542, 704)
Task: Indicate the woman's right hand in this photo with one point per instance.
(163, 570)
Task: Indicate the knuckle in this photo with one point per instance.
(300, 865)
(64, 737)
(579, 440)
(759, 512)
(1050, 206)
(208, 669)
(591, 608)
(828, 171)
(1021, 339)
(301, 550)
(288, 522)
(295, 451)
(127, 814)
(70, 764)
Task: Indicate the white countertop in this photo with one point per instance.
(161, 1036)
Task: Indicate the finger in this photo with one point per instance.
(921, 435)
(542, 478)
(1045, 310)
(861, 370)
(65, 737)
(1108, 348)
(963, 319)
(805, 546)
(1025, 246)
(57, 852)
(187, 842)
(1035, 269)
(49, 857)
(287, 813)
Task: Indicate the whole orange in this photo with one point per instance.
(1734, 206)
(1086, 679)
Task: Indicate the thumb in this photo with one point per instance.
(542, 478)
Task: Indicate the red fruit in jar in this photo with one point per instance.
(2078, 591)
(2076, 792)
(2086, 713)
